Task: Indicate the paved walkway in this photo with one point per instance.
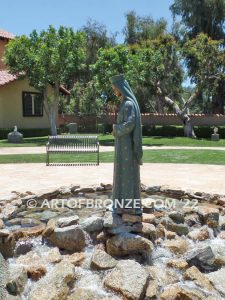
(38, 177)
(39, 150)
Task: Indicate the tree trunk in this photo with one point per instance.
(182, 114)
(159, 104)
(218, 99)
(51, 108)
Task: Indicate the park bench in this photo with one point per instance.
(73, 144)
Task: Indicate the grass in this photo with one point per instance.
(150, 156)
(108, 140)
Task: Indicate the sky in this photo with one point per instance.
(22, 16)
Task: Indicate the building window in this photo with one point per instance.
(32, 104)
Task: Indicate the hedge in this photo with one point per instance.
(178, 131)
(165, 131)
(34, 132)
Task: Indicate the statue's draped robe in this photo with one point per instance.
(126, 180)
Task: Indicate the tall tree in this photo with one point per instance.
(52, 57)
(139, 29)
(205, 60)
(201, 16)
(97, 37)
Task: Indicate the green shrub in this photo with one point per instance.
(178, 131)
(27, 132)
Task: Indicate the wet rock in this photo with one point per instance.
(177, 217)
(217, 279)
(160, 231)
(56, 281)
(49, 228)
(88, 294)
(163, 276)
(112, 220)
(101, 237)
(76, 258)
(128, 243)
(202, 258)
(209, 216)
(219, 252)
(35, 273)
(11, 297)
(71, 238)
(147, 229)
(67, 221)
(180, 229)
(152, 189)
(129, 279)
(151, 292)
(148, 218)
(4, 273)
(1, 224)
(177, 246)
(84, 190)
(74, 188)
(131, 218)
(120, 229)
(47, 194)
(221, 235)
(65, 191)
(177, 264)
(4, 233)
(176, 292)
(200, 279)
(93, 224)
(52, 256)
(23, 247)
(199, 234)
(7, 244)
(170, 235)
(102, 260)
(148, 205)
(106, 186)
(192, 219)
(33, 264)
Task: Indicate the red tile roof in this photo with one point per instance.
(6, 35)
(6, 77)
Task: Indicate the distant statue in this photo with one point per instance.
(128, 150)
(15, 128)
(215, 130)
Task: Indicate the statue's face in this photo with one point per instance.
(116, 91)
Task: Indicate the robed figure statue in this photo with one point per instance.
(128, 150)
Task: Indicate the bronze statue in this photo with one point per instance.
(128, 150)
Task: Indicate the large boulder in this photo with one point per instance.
(54, 286)
(217, 279)
(34, 265)
(209, 216)
(102, 260)
(177, 246)
(71, 238)
(92, 224)
(200, 279)
(17, 279)
(127, 243)
(67, 221)
(129, 279)
(4, 273)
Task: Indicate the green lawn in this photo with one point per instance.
(108, 140)
(150, 156)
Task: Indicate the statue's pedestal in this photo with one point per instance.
(15, 137)
(128, 234)
(215, 137)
